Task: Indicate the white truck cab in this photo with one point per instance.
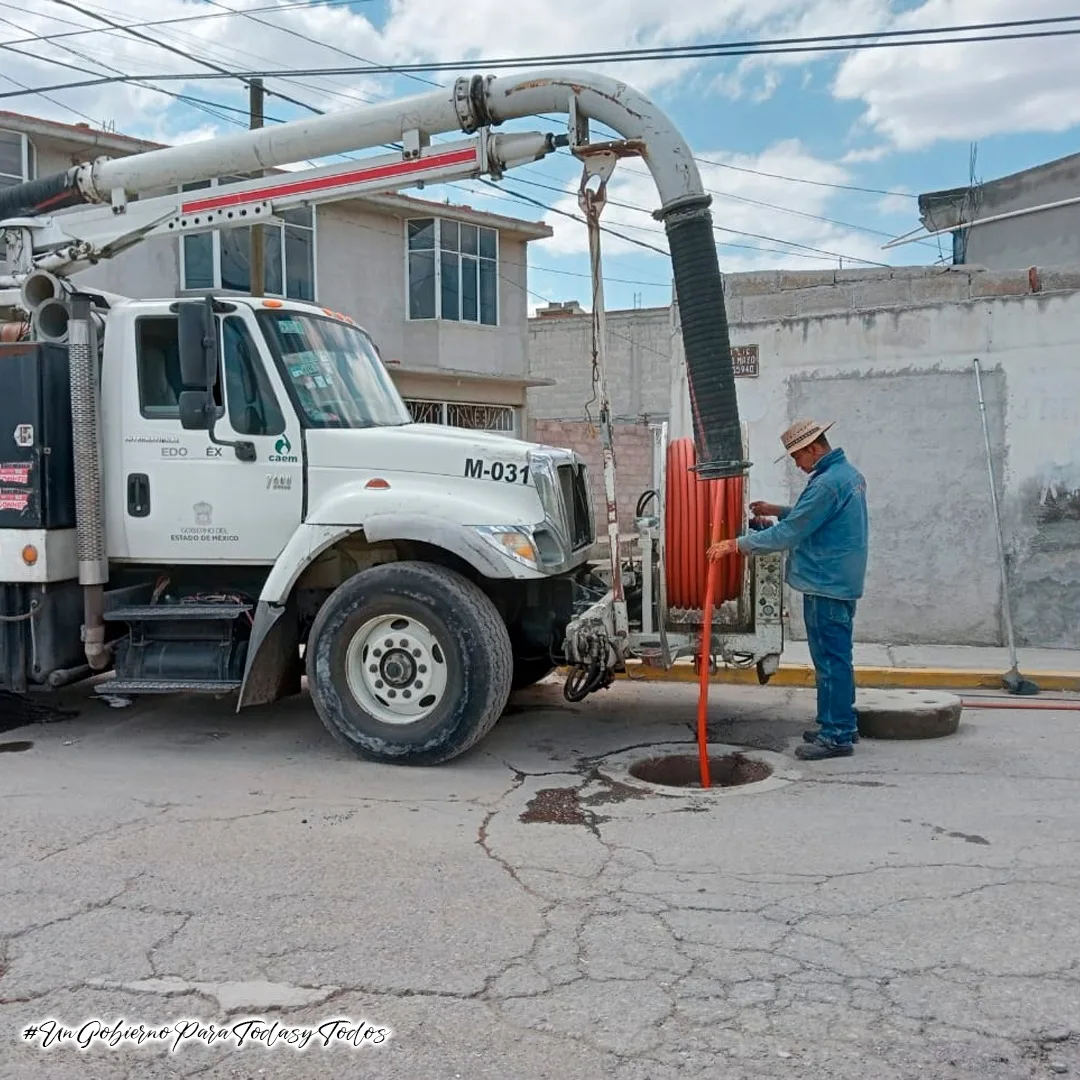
(310, 436)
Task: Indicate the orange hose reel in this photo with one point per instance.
(689, 530)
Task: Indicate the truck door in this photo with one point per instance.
(188, 500)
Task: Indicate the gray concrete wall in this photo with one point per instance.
(1049, 238)
(1045, 238)
(888, 355)
(638, 348)
(916, 435)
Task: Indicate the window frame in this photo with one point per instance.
(275, 224)
(437, 250)
(264, 384)
(445, 405)
(28, 158)
(224, 405)
(28, 164)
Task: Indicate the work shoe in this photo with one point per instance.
(819, 751)
(812, 735)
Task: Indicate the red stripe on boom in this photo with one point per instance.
(322, 183)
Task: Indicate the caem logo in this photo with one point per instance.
(283, 452)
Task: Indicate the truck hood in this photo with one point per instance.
(418, 448)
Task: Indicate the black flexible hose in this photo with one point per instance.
(46, 195)
(643, 501)
(711, 376)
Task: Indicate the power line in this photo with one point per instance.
(718, 228)
(168, 48)
(668, 53)
(803, 180)
(573, 217)
(177, 19)
(728, 195)
(211, 108)
(824, 42)
(296, 34)
(51, 99)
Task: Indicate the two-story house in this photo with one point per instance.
(441, 288)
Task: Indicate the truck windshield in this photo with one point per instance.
(333, 371)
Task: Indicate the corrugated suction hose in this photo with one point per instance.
(710, 377)
(689, 530)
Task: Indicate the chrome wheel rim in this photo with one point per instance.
(396, 669)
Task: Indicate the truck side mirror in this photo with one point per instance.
(197, 332)
(193, 416)
(198, 344)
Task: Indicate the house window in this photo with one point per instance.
(453, 271)
(222, 259)
(17, 163)
(16, 158)
(464, 414)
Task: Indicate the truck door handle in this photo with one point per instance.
(138, 495)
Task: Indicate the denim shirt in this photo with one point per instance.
(826, 532)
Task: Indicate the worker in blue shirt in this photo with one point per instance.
(826, 534)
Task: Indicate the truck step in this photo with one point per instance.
(179, 612)
(123, 687)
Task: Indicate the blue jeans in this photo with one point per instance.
(829, 631)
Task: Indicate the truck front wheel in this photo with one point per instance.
(409, 664)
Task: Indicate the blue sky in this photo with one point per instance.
(897, 120)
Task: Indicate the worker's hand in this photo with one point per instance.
(724, 547)
(764, 509)
(762, 522)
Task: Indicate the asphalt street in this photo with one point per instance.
(531, 910)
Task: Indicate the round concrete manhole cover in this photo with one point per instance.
(907, 714)
(684, 771)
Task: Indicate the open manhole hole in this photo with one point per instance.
(684, 770)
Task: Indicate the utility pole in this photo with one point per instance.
(256, 97)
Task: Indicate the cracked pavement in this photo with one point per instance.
(913, 911)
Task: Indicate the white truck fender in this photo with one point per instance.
(272, 647)
(309, 541)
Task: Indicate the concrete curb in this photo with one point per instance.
(880, 678)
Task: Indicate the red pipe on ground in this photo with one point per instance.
(706, 645)
(997, 703)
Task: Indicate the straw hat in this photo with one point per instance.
(802, 433)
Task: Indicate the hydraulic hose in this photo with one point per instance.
(688, 530)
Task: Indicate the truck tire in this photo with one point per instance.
(529, 671)
(409, 664)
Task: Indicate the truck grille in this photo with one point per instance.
(574, 486)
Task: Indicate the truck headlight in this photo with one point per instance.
(512, 541)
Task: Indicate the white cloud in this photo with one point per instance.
(898, 203)
(868, 154)
(916, 96)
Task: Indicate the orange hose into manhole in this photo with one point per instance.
(700, 513)
(690, 530)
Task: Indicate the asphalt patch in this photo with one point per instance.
(20, 710)
(555, 806)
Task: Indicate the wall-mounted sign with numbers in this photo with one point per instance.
(744, 358)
